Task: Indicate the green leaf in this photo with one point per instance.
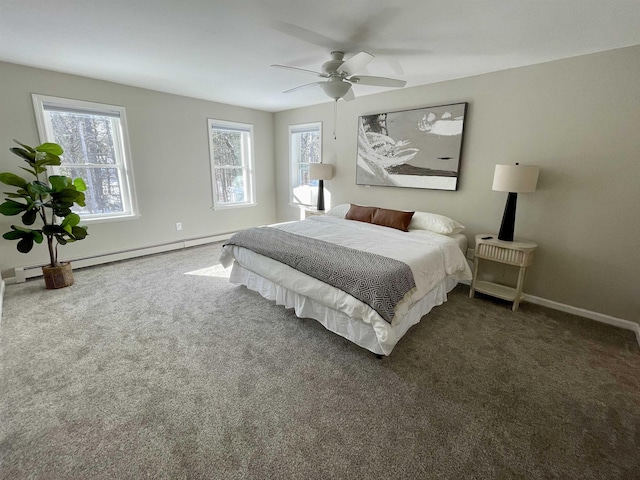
(27, 147)
(72, 220)
(26, 238)
(61, 201)
(80, 200)
(39, 188)
(44, 159)
(62, 211)
(80, 233)
(24, 230)
(59, 182)
(25, 245)
(52, 148)
(79, 184)
(29, 217)
(13, 235)
(66, 194)
(16, 195)
(14, 180)
(11, 207)
(30, 170)
(52, 230)
(18, 232)
(61, 240)
(26, 155)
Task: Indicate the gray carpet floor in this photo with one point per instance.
(159, 368)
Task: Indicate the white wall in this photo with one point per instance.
(170, 158)
(578, 119)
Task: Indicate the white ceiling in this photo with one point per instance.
(221, 50)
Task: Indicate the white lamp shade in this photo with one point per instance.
(515, 178)
(321, 171)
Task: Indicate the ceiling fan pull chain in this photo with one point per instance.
(335, 118)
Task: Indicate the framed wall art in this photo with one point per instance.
(418, 148)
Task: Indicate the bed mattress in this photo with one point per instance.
(436, 260)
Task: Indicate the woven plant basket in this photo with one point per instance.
(58, 277)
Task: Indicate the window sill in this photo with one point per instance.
(119, 218)
(301, 205)
(229, 207)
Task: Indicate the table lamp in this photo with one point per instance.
(513, 179)
(320, 172)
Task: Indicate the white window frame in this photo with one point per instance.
(294, 159)
(121, 147)
(247, 163)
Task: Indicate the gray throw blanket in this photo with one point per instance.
(378, 281)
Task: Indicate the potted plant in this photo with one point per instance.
(47, 199)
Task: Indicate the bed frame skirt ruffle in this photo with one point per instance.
(379, 339)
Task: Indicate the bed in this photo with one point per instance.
(299, 277)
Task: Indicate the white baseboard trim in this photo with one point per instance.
(581, 312)
(22, 273)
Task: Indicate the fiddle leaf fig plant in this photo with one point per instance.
(48, 198)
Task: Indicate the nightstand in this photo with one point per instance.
(518, 253)
(309, 212)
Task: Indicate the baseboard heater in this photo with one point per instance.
(21, 274)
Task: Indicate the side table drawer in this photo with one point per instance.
(515, 257)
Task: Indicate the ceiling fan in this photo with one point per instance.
(340, 75)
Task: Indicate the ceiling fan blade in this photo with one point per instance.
(377, 81)
(373, 23)
(401, 52)
(356, 63)
(302, 86)
(349, 95)
(302, 70)
(306, 35)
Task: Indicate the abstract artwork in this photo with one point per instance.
(417, 148)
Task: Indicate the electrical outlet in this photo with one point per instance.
(178, 226)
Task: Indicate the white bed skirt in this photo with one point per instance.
(355, 330)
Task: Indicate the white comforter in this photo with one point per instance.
(431, 257)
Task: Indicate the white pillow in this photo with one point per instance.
(435, 223)
(420, 221)
(339, 210)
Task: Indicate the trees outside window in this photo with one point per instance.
(95, 143)
(305, 148)
(231, 150)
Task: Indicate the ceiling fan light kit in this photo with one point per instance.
(335, 89)
(340, 76)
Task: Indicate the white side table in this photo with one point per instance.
(310, 212)
(517, 253)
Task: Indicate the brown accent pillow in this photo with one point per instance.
(360, 213)
(393, 218)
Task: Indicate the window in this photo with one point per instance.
(231, 149)
(96, 149)
(304, 149)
